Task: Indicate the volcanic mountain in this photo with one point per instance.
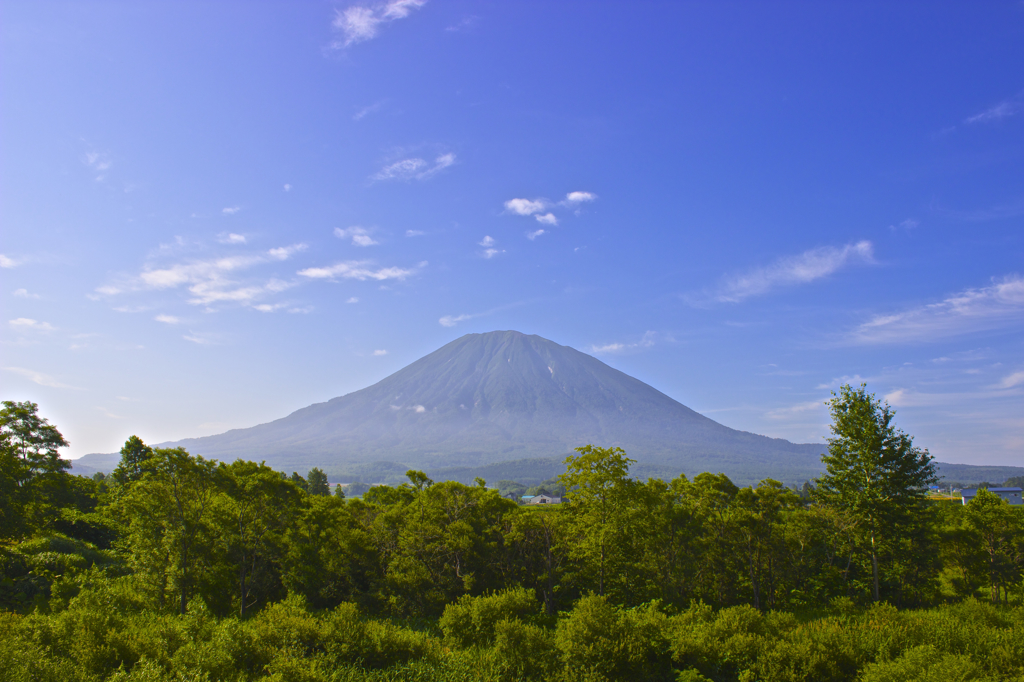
(485, 399)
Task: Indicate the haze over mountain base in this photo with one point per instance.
(501, 405)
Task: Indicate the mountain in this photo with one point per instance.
(505, 405)
(500, 396)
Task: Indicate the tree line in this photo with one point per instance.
(239, 541)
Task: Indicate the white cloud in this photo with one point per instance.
(287, 187)
(1015, 379)
(167, 319)
(199, 338)
(418, 409)
(209, 281)
(353, 299)
(547, 219)
(380, 352)
(487, 241)
(28, 323)
(99, 163)
(415, 168)
(491, 253)
(805, 267)
(231, 210)
(999, 111)
(232, 238)
(360, 270)
(579, 197)
(452, 320)
(366, 111)
(794, 410)
(646, 341)
(360, 22)
(269, 307)
(23, 293)
(286, 252)
(525, 206)
(533, 235)
(414, 233)
(7, 262)
(972, 310)
(908, 224)
(360, 235)
(38, 378)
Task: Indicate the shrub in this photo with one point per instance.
(471, 620)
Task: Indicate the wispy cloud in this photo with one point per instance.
(1015, 379)
(202, 339)
(547, 218)
(366, 111)
(973, 310)
(360, 235)
(231, 238)
(464, 24)
(452, 320)
(1004, 109)
(361, 270)
(533, 235)
(380, 352)
(30, 324)
(791, 270)
(8, 262)
(794, 410)
(209, 281)
(414, 233)
(646, 341)
(23, 293)
(908, 224)
(352, 299)
(99, 163)
(287, 187)
(415, 168)
(39, 378)
(525, 206)
(231, 210)
(167, 319)
(573, 198)
(359, 23)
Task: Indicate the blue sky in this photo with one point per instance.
(216, 213)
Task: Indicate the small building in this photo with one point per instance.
(541, 499)
(1011, 495)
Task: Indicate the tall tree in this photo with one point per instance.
(316, 482)
(597, 514)
(873, 470)
(135, 461)
(33, 477)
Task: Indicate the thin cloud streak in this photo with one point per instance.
(415, 168)
(973, 310)
(39, 378)
(360, 270)
(789, 271)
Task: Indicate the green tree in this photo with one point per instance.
(999, 533)
(34, 481)
(597, 514)
(873, 470)
(256, 509)
(135, 461)
(316, 482)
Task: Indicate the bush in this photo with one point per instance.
(471, 620)
(599, 641)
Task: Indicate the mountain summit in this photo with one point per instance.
(500, 396)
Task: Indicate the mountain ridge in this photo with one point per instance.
(499, 398)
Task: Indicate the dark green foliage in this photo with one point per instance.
(317, 482)
(181, 568)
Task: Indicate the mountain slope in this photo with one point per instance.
(487, 398)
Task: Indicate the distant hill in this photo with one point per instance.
(505, 405)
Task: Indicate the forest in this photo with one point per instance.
(175, 567)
